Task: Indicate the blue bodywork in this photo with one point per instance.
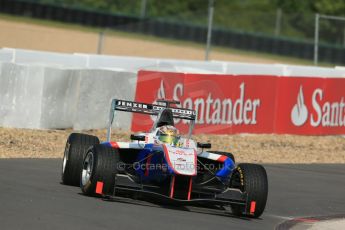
(151, 164)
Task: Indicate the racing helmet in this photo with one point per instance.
(168, 134)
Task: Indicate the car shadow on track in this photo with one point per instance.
(209, 210)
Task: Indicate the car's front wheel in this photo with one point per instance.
(99, 168)
(76, 146)
(251, 179)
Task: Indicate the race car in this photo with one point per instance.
(163, 165)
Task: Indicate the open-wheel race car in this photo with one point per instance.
(163, 164)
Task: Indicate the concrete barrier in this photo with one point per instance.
(312, 71)
(20, 95)
(42, 58)
(59, 98)
(49, 98)
(96, 89)
(6, 55)
(119, 63)
(238, 68)
(47, 90)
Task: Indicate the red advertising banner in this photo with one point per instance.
(312, 106)
(227, 104)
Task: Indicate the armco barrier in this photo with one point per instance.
(228, 104)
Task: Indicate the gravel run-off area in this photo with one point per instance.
(263, 148)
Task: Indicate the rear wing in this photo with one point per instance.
(149, 109)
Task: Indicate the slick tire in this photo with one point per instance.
(99, 165)
(252, 179)
(76, 146)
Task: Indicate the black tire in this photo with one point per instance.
(104, 168)
(230, 155)
(252, 179)
(76, 146)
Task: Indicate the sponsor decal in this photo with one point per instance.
(132, 104)
(323, 113)
(229, 104)
(183, 161)
(310, 106)
(327, 113)
(223, 104)
(151, 109)
(299, 113)
(213, 110)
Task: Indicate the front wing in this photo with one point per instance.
(124, 184)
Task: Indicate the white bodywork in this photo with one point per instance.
(186, 146)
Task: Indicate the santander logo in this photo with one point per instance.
(322, 112)
(214, 110)
(299, 113)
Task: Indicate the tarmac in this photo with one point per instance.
(32, 197)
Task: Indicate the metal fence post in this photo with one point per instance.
(278, 22)
(100, 42)
(316, 39)
(344, 37)
(143, 8)
(209, 29)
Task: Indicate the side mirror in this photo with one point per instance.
(136, 137)
(204, 145)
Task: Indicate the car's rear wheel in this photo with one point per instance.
(230, 155)
(252, 179)
(99, 167)
(76, 146)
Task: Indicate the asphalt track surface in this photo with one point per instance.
(33, 198)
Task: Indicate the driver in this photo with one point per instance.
(168, 134)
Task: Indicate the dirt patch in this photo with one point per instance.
(26, 143)
(38, 37)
